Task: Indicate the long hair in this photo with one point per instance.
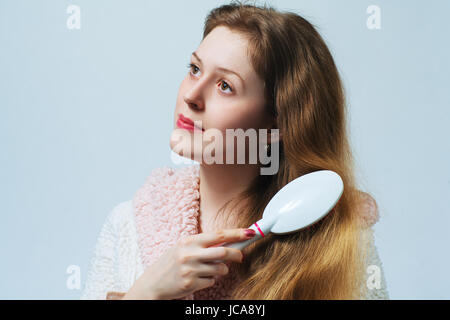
(305, 95)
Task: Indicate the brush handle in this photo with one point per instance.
(241, 245)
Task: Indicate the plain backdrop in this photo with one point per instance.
(86, 114)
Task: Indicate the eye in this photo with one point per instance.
(192, 67)
(227, 86)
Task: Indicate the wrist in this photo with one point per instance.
(138, 294)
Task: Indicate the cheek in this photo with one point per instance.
(243, 115)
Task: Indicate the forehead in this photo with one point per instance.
(228, 49)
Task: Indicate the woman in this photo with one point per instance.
(166, 242)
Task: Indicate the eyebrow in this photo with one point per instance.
(221, 69)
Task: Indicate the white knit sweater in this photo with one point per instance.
(116, 262)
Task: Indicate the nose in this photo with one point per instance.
(194, 98)
(194, 104)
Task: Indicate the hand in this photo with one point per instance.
(189, 266)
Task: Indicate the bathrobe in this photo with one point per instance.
(163, 211)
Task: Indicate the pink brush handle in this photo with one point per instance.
(241, 245)
(262, 228)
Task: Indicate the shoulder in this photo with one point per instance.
(120, 211)
(121, 214)
(368, 210)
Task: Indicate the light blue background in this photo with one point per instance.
(86, 114)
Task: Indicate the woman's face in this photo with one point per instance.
(220, 99)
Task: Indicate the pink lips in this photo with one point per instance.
(186, 123)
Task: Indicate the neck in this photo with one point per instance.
(220, 183)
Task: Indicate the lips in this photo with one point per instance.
(187, 123)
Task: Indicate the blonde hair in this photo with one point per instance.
(305, 95)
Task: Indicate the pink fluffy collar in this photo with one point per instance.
(166, 209)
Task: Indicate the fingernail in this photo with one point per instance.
(250, 233)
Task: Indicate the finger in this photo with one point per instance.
(212, 269)
(218, 254)
(222, 236)
(205, 282)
